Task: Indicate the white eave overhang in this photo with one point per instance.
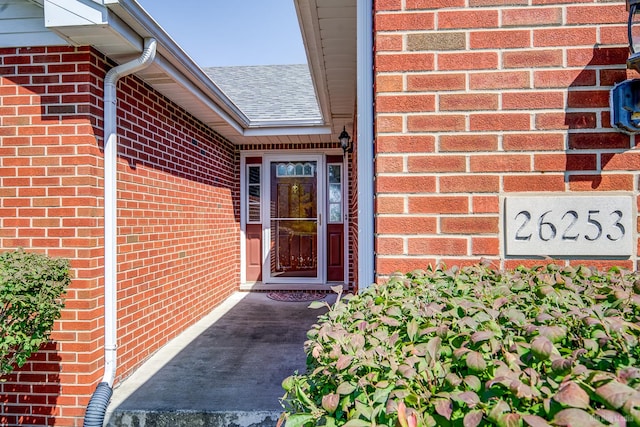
(329, 34)
(117, 28)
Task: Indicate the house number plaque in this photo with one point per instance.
(554, 225)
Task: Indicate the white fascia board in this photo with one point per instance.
(79, 21)
(288, 123)
(307, 12)
(293, 130)
(125, 32)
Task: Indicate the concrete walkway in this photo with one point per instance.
(226, 370)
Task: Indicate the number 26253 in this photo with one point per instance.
(571, 226)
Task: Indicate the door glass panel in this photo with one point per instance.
(335, 213)
(334, 172)
(254, 213)
(335, 193)
(294, 219)
(254, 175)
(253, 192)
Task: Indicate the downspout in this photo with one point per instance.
(94, 416)
(366, 177)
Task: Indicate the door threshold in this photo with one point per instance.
(261, 287)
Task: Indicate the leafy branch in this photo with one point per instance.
(546, 346)
(31, 290)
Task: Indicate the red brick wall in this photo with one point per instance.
(476, 102)
(179, 251)
(178, 228)
(51, 199)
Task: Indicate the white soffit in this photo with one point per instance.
(329, 33)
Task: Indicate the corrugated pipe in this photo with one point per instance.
(98, 405)
(94, 415)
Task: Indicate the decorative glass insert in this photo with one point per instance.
(294, 220)
(254, 190)
(334, 174)
(295, 169)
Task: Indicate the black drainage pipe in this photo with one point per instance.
(94, 415)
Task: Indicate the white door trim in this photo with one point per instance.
(244, 154)
(267, 159)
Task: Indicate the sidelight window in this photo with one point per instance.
(254, 191)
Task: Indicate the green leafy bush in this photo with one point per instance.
(31, 289)
(474, 346)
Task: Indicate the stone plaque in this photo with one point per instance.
(558, 225)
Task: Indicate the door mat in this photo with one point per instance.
(296, 296)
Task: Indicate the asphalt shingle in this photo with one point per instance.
(269, 92)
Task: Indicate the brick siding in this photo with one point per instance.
(476, 102)
(178, 231)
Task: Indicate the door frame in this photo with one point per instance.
(321, 259)
(269, 283)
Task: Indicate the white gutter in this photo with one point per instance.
(111, 202)
(366, 229)
(238, 123)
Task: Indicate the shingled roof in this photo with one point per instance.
(269, 92)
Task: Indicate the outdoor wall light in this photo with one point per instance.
(345, 139)
(624, 98)
(633, 32)
(625, 111)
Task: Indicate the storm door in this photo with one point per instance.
(294, 221)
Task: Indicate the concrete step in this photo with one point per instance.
(174, 418)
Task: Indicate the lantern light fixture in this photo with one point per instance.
(633, 33)
(345, 139)
(624, 98)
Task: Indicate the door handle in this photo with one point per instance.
(319, 220)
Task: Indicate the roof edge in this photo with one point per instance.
(287, 129)
(310, 31)
(81, 22)
(130, 9)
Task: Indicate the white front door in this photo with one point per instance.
(293, 241)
